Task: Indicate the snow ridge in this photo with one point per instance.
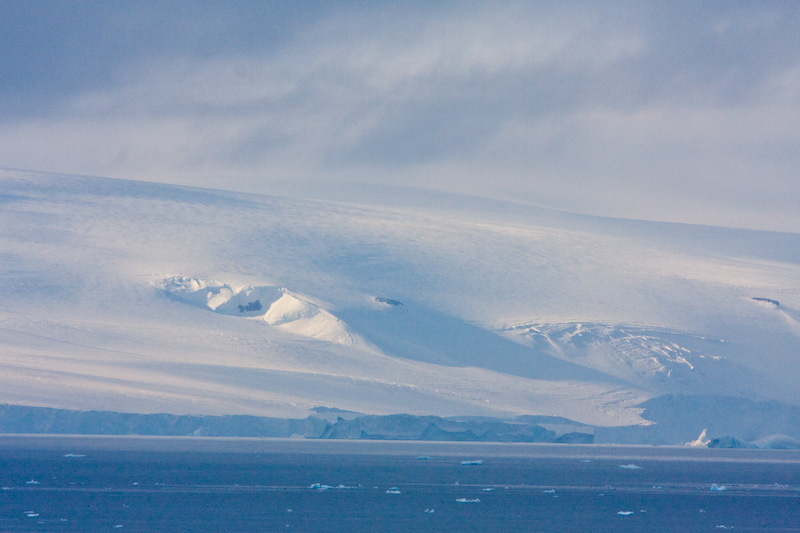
(275, 306)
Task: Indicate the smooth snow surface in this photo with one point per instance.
(142, 297)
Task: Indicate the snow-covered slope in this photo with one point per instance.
(143, 297)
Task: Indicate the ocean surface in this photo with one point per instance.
(219, 484)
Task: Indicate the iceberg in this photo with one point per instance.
(701, 441)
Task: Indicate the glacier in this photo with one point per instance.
(141, 297)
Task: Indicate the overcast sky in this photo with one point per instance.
(679, 111)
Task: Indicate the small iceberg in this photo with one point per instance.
(549, 491)
(393, 490)
(625, 513)
(32, 482)
(477, 462)
(465, 500)
(429, 511)
(318, 486)
(718, 487)
(74, 455)
(488, 489)
(631, 467)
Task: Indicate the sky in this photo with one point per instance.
(672, 110)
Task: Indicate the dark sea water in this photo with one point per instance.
(174, 484)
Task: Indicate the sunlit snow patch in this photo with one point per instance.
(278, 307)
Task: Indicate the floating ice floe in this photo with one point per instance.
(465, 500)
(549, 491)
(488, 489)
(718, 487)
(472, 463)
(393, 490)
(631, 467)
(624, 513)
(74, 455)
(429, 511)
(319, 486)
(32, 482)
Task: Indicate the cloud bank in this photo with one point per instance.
(676, 111)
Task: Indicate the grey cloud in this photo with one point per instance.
(619, 108)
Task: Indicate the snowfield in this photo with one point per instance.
(142, 297)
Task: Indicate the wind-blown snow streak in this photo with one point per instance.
(108, 303)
